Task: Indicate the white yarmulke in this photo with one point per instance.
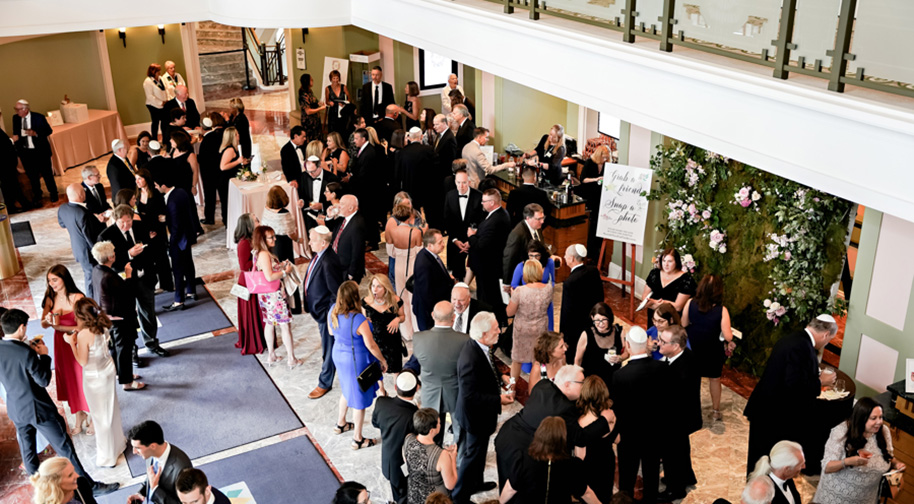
(23, 102)
(322, 229)
(207, 122)
(637, 335)
(827, 318)
(415, 130)
(117, 144)
(155, 145)
(313, 159)
(406, 381)
(581, 250)
(462, 285)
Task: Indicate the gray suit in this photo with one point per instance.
(165, 493)
(478, 164)
(437, 351)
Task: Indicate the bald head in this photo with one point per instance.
(392, 111)
(443, 313)
(181, 92)
(76, 193)
(349, 205)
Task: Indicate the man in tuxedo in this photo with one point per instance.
(83, 228)
(519, 239)
(582, 289)
(375, 97)
(462, 210)
(431, 281)
(292, 156)
(96, 199)
(367, 178)
(487, 243)
(164, 462)
(394, 417)
(413, 169)
(130, 238)
(349, 239)
(386, 126)
(790, 383)
(192, 486)
(479, 401)
(30, 134)
(25, 372)
(9, 175)
(187, 105)
(437, 350)
(116, 298)
(525, 194)
(478, 163)
(210, 161)
(322, 279)
(683, 396)
(180, 217)
(465, 308)
(121, 174)
(311, 191)
(639, 415)
(781, 465)
(158, 163)
(465, 126)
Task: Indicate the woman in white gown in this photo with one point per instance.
(90, 346)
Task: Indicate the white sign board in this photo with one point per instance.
(623, 210)
(330, 64)
(300, 62)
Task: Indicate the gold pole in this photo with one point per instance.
(9, 261)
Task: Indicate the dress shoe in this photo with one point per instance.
(137, 362)
(669, 495)
(100, 488)
(192, 297)
(317, 393)
(161, 352)
(486, 486)
(173, 307)
(207, 222)
(54, 198)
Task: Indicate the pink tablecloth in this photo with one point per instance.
(76, 143)
(251, 197)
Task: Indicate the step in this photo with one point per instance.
(220, 59)
(231, 33)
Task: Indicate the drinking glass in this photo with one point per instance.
(840, 386)
(610, 354)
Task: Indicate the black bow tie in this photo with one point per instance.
(462, 195)
(317, 180)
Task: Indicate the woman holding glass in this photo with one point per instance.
(150, 204)
(600, 348)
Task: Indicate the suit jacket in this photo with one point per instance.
(779, 494)
(96, 206)
(385, 128)
(489, 243)
(306, 192)
(790, 381)
(583, 289)
(42, 129)
(465, 134)
(367, 171)
(516, 249)
(25, 374)
(292, 166)
(438, 350)
(180, 216)
(447, 152)
(456, 226)
(114, 295)
(684, 393)
(243, 126)
(639, 413)
(478, 391)
(209, 157)
(326, 278)
(165, 493)
(414, 166)
(477, 306)
(8, 157)
(394, 417)
(82, 227)
(120, 176)
(478, 163)
(144, 262)
(219, 497)
(191, 112)
(523, 196)
(366, 105)
(351, 246)
(431, 284)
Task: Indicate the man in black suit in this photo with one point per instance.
(790, 383)
(462, 210)
(130, 238)
(349, 239)
(519, 239)
(431, 281)
(187, 105)
(25, 371)
(525, 194)
(479, 400)
(164, 462)
(683, 396)
(488, 243)
(466, 130)
(9, 176)
(121, 173)
(366, 180)
(322, 279)
(83, 228)
(375, 97)
(30, 134)
(180, 217)
(465, 308)
(96, 199)
(157, 161)
(192, 485)
(394, 417)
(582, 289)
(639, 415)
(386, 126)
(210, 161)
(116, 298)
(781, 465)
(413, 169)
(292, 156)
(312, 184)
(446, 152)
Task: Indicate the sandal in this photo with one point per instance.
(346, 427)
(294, 363)
(273, 360)
(358, 445)
(135, 385)
(715, 415)
(90, 429)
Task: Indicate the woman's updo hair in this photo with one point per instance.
(545, 345)
(46, 482)
(91, 315)
(402, 212)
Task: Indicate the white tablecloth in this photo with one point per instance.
(251, 197)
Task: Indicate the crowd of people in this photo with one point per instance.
(420, 184)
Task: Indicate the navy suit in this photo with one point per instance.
(120, 176)
(83, 228)
(321, 283)
(36, 159)
(431, 284)
(180, 217)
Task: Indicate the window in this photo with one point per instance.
(434, 70)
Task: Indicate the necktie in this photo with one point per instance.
(129, 237)
(436, 142)
(377, 98)
(97, 196)
(183, 107)
(308, 274)
(130, 167)
(336, 241)
(492, 365)
(155, 469)
(460, 322)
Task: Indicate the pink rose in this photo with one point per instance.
(745, 203)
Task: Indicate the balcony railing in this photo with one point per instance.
(267, 59)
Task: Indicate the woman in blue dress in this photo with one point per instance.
(538, 252)
(354, 349)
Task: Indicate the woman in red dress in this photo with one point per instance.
(250, 321)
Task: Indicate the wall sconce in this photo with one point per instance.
(122, 33)
(162, 32)
(304, 31)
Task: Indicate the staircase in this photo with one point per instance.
(221, 72)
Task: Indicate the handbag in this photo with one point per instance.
(410, 281)
(372, 372)
(257, 282)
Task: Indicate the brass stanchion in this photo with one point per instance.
(9, 261)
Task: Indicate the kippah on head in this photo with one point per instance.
(637, 335)
(407, 381)
(827, 318)
(462, 285)
(581, 250)
(23, 102)
(321, 229)
(313, 159)
(414, 130)
(117, 144)
(155, 145)
(207, 122)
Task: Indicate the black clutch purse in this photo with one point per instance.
(370, 376)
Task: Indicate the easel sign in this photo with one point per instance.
(340, 65)
(622, 217)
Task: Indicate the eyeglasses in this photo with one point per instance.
(578, 382)
(662, 342)
(600, 321)
(659, 320)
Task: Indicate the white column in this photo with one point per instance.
(193, 78)
(488, 102)
(386, 46)
(105, 63)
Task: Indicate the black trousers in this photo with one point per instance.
(12, 192)
(183, 271)
(677, 462)
(639, 452)
(55, 431)
(37, 166)
(146, 310)
(224, 180)
(456, 261)
(163, 272)
(211, 185)
(399, 486)
(157, 115)
(123, 339)
(488, 292)
(472, 455)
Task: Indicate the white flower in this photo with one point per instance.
(767, 303)
(723, 249)
(706, 214)
(744, 193)
(774, 306)
(756, 196)
(713, 244)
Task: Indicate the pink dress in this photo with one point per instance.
(67, 372)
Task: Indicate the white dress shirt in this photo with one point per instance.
(463, 203)
(161, 461)
(779, 483)
(27, 125)
(316, 188)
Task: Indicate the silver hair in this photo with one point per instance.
(481, 324)
(88, 170)
(572, 250)
(464, 111)
(759, 490)
(821, 326)
(783, 454)
(415, 135)
(567, 373)
(440, 118)
(103, 252)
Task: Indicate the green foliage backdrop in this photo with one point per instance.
(778, 245)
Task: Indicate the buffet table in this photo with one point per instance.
(251, 197)
(76, 143)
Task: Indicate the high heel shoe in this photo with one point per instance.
(294, 363)
(716, 416)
